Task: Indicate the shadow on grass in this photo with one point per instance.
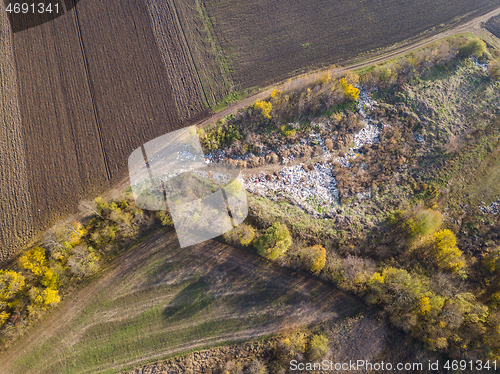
(191, 300)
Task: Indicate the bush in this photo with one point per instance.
(275, 241)
(220, 136)
(256, 367)
(83, 262)
(242, 234)
(314, 258)
(351, 92)
(11, 283)
(424, 222)
(491, 261)
(447, 254)
(474, 47)
(164, 217)
(34, 260)
(494, 66)
(318, 346)
(264, 108)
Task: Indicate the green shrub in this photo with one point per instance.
(165, 219)
(220, 136)
(242, 234)
(474, 47)
(318, 346)
(424, 222)
(275, 241)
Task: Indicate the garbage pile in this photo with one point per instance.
(312, 186)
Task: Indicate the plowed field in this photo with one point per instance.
(269, 40)
(15, 200)
(493, 26)
(93, 86)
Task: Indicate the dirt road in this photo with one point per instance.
(301, 80)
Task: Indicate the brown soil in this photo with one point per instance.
(174, 49)
(493, 26)
(92, 88)
(210, 62)
(302, 80)
(272, 40)
(15, 200)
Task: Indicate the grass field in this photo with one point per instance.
(160, 300)
(461, 103)
(266, 41)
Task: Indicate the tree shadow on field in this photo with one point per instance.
(192, 300)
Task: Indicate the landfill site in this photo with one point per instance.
(309, 185)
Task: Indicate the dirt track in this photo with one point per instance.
(470, 26)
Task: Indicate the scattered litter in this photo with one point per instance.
(478, 64)
(493, 208)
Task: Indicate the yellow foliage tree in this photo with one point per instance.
(50, 279)
(275, 93)
(11, 282)
(264, 107)
(50, 296)
(315, 258)
(44, 297)
(447, 254)
(4, 316)
(424, 305)
(77, 231)
(34, 260)
(351, 92)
